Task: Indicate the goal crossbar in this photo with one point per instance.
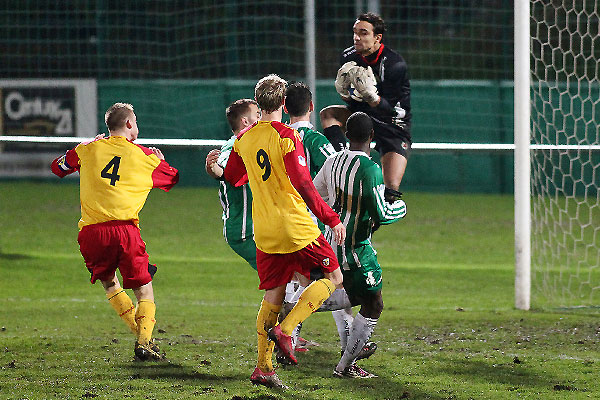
(502, 147)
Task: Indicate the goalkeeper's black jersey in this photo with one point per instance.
(393, 87)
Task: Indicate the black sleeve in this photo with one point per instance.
(393, 88)
(384, 107)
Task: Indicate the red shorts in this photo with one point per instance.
(278, 269)
(111, 245)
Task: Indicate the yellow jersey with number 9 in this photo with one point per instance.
(282, 223)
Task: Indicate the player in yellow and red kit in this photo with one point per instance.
(270, 156)
(116, 176)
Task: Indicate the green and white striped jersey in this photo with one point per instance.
(318, 149)
(316, 146)
(352, 184)
(236, 203)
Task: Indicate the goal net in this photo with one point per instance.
(565, 184)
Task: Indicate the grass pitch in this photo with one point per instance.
(449, 329)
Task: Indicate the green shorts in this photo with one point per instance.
(245, 249)
(362, 275)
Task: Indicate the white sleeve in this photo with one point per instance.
(320, 183)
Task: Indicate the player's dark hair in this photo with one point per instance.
(117, 115)
(297, 99)
(359, 127)
(237, 110)
(375, 20)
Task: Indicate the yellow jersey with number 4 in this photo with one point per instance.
(116, 176)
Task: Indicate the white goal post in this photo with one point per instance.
(522, 137)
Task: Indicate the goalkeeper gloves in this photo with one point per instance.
(398, 119)
(391, 195)
(365, 83)
(342, 80)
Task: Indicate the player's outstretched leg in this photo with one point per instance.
(310, 300)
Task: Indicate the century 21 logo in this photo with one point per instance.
(17, 107)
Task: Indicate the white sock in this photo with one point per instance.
(293, 290)
(362, 329)
(337, 301)
(343, 320)
(290, 291)
(295, 334)
(297, 294)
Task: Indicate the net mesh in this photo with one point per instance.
(565, 110)
(181, 62)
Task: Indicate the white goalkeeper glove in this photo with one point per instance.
(363, 80)
(398, 119)
(342, 80)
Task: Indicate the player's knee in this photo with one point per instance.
(337, 279)
(144, 292)
(110, 285)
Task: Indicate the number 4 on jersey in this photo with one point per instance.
(111, 170)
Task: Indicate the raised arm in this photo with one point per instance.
(65, 164)
(380, 210)
(164, 176)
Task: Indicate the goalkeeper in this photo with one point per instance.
(373, 79)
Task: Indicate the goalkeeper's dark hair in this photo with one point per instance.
(297, 99)
(117, 115)
(237, 110)
(359, 127)
(375, 20)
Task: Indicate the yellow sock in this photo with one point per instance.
(265, 320)
(144, 316)
(310, 300)
(124, 307)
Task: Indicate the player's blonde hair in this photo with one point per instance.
(117, 115)
(270, 93)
